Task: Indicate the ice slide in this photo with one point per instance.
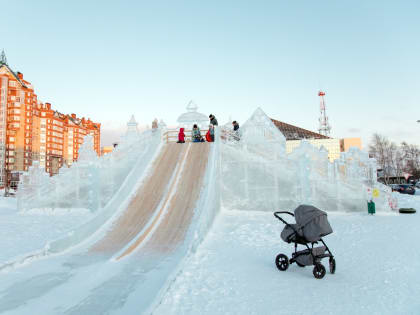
(125, 268)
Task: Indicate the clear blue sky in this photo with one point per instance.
(109, 59)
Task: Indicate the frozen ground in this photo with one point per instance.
(233, 271)
(22, 233)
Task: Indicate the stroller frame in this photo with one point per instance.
(282, 261)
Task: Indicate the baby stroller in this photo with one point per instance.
(311, 225)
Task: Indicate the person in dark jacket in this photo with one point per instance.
(235, 125)
(181, 136)
(236, 134)
(213, 120)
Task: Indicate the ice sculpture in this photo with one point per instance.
(192, 116)
(260, 134)
(258, 175)
(89, 183)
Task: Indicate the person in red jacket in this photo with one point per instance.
(181, 136)
(210, 134)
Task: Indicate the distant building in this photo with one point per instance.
(347, 143)
(107, 149)
(291, 132)
(331, 145)
(31, 130)
(294, 135)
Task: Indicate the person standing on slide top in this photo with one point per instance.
(213, 120)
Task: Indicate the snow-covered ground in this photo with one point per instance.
(23, 233)
(233, 271)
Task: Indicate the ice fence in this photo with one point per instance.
(258, 174)
(92, 181)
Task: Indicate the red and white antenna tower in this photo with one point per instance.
(324, 125)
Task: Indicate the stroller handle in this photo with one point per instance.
(277, 215)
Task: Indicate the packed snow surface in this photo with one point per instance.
(23, 233)
(233, 271)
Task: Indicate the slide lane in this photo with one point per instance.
(146, 201)
(171, 231)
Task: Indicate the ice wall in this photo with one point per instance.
(89, 183)
(257, 174)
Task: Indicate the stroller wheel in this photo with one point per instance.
(282, 262)
(319, 271)
(332, 265)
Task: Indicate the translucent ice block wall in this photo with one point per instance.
(90, 182)
(257, 174)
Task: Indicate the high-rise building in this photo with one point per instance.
(31, 130)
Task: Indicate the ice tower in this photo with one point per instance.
(132, 126)
(191, 117)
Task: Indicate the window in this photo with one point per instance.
(43, 114)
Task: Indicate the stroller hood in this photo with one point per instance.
(312, 223)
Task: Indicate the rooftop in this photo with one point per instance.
(295, 133)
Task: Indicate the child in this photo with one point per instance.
(196, 134)
(210, 134)
(181, 136)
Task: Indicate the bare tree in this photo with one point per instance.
(395, 160)
(411, 157)
(380, 149)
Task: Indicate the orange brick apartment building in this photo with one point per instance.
(31, 130)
